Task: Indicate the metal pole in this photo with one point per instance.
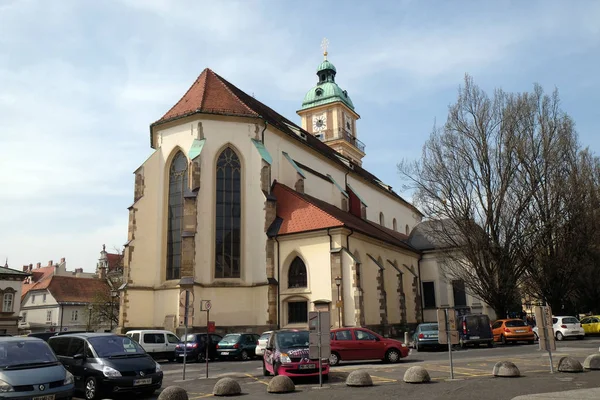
(339, 309)
(112, 313)
(185, 323)
(449, 336)
(207, 338)
(319, 346)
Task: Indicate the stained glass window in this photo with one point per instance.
(178, 182)
(297, 274)
(228, 215)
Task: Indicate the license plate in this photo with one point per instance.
(433, 336)
(474, 337)
(307, 366)
(49, 397)
(225, 353)
(146, 381)
(520, 331)
(575, 332)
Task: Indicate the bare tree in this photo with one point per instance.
(470, 179)
(104, 311)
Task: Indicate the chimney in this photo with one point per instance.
(79, 270)
(50, 263)
(30, 267)
(102, 272)
(38, 265)
(63, 260)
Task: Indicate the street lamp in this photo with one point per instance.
(338, 283)
(113, 294)
(90, 308)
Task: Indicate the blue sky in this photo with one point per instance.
(80, 81)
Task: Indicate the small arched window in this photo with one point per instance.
(395, 224)
(297, 274)
(381, 219)
(407, 230)
(177, 186)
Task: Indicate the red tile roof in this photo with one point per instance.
(212, 94)
(114, 261)
(68, 289)
(301, 213)
(38, 279)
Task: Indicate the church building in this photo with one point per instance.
(266, 218)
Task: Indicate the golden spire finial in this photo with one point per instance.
(324, 44)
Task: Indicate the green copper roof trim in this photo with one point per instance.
(262, 150)
(395, 267)
(196, 148)
(325, 93)
(325, 65)
(286, 155)
(356, 194)
(376, 262)
(337, 185)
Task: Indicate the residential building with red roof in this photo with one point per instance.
(10, 295)
(268, 219)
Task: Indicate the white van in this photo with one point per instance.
(159, 344)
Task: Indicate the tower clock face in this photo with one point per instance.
(319, 122)
(348, 123)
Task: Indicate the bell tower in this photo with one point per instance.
(328, 113)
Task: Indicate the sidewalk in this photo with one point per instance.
(580, 394)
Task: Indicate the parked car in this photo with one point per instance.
(237, 345)
(349, 344)
(512, 330)
(287, 353)
(591, 325)
(563, 327)
(105, 364)
(426, 336)
(47, 335)
(196, 347)
(159, 344)
(475, 329)
(29, 369)
(262, 343)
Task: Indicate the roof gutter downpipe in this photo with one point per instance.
(278, 286)
(262, 139)
(420, 288)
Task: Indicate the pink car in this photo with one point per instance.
(287, 354)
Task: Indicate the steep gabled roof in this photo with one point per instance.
(70, 289)
(39, 280)
(212, 94)
(300, 212)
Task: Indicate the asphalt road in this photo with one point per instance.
(472, 369)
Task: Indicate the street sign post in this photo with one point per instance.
(543, 317)
(206, 305)
(186, 300)
(447, 332)
(319, 325)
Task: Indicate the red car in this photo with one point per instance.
(350, 344)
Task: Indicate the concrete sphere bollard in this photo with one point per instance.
(506, 369)
(227, 387)
(592, 362)
(359, 378)
(416, 374)
(569, 364)
(281, 384)
(173, 393)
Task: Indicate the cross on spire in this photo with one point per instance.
(324, 45)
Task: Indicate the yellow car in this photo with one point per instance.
(591, 325)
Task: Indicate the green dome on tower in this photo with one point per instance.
(326, 91)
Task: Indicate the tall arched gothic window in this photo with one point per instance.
(228, 215)
(297, 274)
(178, 183)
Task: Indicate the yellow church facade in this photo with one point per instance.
(266, 219)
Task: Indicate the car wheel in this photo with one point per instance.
(91, 389)
(392, 356)
(559, 336)
(334, 359)
(265, 372)
(417, 347)
(276, 369)
(245, 356)
(503, 340)
(200, 357)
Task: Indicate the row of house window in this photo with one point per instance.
(458, 293)
(394, 224)
(33, 298)
(74, 316)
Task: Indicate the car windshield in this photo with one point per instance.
(288, 340)
(429, 327)
(24, 353)
(112, 346)
(264, 336)
(570, 320)
(231, 338)
(515, 323)
(192, 338)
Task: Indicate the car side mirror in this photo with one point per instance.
(78, 357)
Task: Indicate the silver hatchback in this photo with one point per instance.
(29, 369)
